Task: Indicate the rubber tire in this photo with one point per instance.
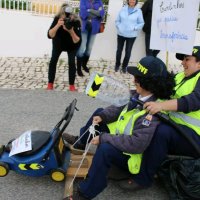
(58, 175)
(4, 169)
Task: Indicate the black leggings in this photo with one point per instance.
(53, 63)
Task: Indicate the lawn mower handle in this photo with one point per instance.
(69, 111)
(165, 118)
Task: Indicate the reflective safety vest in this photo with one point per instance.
(191, 119)
(125, 125)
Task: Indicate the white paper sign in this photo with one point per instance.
(21, 144)
(174, 25)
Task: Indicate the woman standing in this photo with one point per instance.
(65, 32)
(91, 13)
(128, 23)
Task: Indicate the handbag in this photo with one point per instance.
(102, 27)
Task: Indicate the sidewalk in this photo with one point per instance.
(32, 73)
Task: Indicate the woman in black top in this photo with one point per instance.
(65, 32)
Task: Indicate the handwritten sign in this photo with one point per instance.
(174, 25)
(21, 144)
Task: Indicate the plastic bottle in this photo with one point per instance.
(108, 89)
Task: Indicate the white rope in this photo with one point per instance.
(80, 137)
(93, 133)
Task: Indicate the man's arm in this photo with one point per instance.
(184, 104)
(135, 143)
(154, 107)
(190, 102)
(94, 13)
(110, 113)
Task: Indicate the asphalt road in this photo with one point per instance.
(22, 110)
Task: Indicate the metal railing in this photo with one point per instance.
(39, 7)
(15, 5)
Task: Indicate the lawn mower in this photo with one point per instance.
(48, 155)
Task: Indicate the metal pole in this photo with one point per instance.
(167, 59)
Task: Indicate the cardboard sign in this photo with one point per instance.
(174, 25)
(21, 144)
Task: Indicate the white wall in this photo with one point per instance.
(25, 35)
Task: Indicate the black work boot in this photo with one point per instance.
(116, 68)
(84, 64)
(79, 65)
(76, 196)
(123, 70)
(79, 196)
(69, 141)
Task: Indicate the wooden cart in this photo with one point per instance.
(71, 171)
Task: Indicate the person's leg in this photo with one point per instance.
(149, 52)
(120, 46)
(52, 65)
(128, 49)
(96, 180)
(79, 66)
(82, 48)
(80, 53)
(90, 41)
(155, 52)
(166, 141)
(72, 66)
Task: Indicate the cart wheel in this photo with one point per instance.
(4, 169)
(58, 175)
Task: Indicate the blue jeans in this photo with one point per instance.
(120, 45)
(86, 44)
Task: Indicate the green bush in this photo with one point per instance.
(14, 4)
(105, 2)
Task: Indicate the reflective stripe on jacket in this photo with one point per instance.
(125, 125)
(191, 119)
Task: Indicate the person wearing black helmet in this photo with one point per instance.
(184, 109)
(126, 131)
